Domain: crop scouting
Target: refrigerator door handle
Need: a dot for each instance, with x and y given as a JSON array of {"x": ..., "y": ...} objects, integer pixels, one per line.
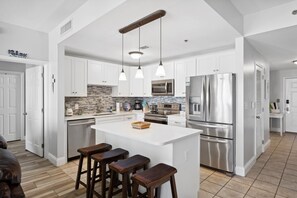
[{"x": 214, "y": 140}]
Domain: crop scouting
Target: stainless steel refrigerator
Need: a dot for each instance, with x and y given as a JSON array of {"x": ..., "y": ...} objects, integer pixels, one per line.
[{"x": 210, "y": 106}]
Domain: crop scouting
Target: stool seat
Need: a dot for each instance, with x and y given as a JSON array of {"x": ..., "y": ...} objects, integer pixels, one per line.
[
  {"x": 110, "y": 156},
  {"x": 129, "y": 164},
  {"x": 155, "y": 175},
  {"x": 98, "y": 148}
]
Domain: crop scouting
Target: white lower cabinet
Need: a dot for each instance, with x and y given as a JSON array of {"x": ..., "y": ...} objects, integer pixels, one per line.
[
  {"x": 117, "y": 118},
  {"x": 177, "y": 120}
]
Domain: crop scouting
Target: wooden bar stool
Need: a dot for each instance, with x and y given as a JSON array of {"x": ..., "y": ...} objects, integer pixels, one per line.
[
  {"x": 125, "y": 167},
  {"x": 87, "y": 152},
  {"x": 153, "y": 178},
  {"x": 103, "y": 159}
]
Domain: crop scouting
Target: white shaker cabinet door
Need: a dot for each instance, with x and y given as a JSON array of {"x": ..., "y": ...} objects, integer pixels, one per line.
[
  {"x": 147, "y": 81},
  {"x": 95, "y": 73},
  {"x": 68, "y": 89},
  {"x": 123, "y": 88},
  {"x": 207, "y": 65},
  {"x": 169, "y": 71},
  {"x": 136, "y": 84},
  {"x": 226, "y": 63},
  {"x": 80, "y": 77},
  {"x": 180, "y": 79},
  {"x": 111, "y": 74}
]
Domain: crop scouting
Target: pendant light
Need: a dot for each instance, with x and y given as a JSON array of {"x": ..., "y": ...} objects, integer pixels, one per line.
[
  {"x": 122, "y": 74},
  {"x": 160, "y": 70},
  {"x": 139, "y": 73}
]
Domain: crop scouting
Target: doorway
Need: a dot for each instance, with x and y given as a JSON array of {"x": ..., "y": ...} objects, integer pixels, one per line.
[
  {"x": 290, "y": 104},
  {"x": 11, "y": 105},
  {"x": 259, "y": 135}
]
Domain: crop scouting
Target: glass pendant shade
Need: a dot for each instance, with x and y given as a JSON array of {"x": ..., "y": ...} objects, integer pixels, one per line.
[
  {"x": 139, "y": 73},
  {"x": 160, "y": 71},
  {"x": 135, "y": 54},
  {"x": 122, "y": 76}
]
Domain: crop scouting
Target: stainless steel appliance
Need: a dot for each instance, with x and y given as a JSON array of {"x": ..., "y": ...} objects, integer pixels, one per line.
[
  {"x": 210, "y": 106},
  {"x": 138, "y": 105},
  {"x": 79, "y": 134},
  {"x": 160, "y": 114},
  {"x": 163, "y": 87}
]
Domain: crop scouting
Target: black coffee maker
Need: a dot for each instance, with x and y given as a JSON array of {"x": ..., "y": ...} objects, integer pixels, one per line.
[{"x": 138, "y": 105}]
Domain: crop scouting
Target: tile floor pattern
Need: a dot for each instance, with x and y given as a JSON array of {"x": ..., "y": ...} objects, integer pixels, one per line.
[{"x": 274, "y": 175}]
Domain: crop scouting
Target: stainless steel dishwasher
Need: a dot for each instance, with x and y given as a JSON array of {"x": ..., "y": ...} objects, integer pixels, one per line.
[{"x": 79, "y": 134}]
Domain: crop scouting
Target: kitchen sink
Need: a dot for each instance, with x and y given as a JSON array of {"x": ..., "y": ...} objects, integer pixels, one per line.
[{"x": 103, "y": 113}]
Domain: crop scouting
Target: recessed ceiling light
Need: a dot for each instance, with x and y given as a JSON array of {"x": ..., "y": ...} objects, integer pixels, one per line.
[
  {"x": 295, "y": 62},
  {"x": 294, "y": 12}
]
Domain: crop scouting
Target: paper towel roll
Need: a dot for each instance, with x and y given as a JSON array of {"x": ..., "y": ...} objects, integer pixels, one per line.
[{"x": 118, "y": 107}]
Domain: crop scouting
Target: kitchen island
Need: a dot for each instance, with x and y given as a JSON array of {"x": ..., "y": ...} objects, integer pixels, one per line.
[{"x": 175, "y": 146}]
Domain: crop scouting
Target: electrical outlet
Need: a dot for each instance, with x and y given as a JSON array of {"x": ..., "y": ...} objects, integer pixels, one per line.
[{"x": 76, "y": 106}]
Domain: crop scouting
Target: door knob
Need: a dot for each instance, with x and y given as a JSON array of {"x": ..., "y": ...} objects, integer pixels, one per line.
[{"x": 258, "y": 117}]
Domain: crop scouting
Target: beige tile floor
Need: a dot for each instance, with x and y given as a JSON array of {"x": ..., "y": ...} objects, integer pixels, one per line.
[{"x": 274, "y": 175}]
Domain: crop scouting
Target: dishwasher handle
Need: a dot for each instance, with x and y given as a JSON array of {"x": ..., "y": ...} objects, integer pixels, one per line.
[{"x": 76, "y": 123}]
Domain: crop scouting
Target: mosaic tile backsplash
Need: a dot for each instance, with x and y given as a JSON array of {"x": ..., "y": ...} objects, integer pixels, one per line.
[{"x": 100, "y": 99}]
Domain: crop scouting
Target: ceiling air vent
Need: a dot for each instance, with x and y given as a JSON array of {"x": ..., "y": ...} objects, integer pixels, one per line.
[{"x": 66, "y": 27}]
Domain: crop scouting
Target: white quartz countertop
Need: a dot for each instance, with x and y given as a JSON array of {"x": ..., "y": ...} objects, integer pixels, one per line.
[
  {"x": 87, "y": 116},
  {"x": 157, "y": 134}
]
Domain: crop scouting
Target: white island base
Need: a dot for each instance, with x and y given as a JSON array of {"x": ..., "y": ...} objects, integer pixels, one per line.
[{"x": 175, "y": 146}]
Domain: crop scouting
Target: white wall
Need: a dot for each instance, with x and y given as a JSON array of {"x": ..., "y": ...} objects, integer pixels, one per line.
[
  {"x": 251, "y": 58},
  {"x": 277, "y": 84},
  {"x": 15, "y": 67},
  {"x": 32, "y": 42}
]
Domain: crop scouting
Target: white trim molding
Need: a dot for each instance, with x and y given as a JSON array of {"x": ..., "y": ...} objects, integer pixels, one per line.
[
  {"x": 266, "y": 145},
  {"x": 56, "y": 161},
  {"x": 242, "y": 171}
]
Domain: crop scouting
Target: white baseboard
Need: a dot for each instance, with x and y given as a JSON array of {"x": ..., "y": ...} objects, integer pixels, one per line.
[
  {"x": 242, "y": 171},
  {"x": 266, "y": 145},
  {"x": 56, "y": 161}
]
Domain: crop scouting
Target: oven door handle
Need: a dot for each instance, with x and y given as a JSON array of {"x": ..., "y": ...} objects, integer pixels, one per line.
[
  {"x": 156, "y": 119},
  {"x": 214, "y": 140}
]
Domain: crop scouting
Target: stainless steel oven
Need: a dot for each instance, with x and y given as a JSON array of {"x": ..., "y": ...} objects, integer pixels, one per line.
[{"x": 163, "y": 87}]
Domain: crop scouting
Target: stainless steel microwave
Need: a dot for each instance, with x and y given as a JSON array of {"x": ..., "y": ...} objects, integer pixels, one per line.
[{"x": 163, "y": 87}]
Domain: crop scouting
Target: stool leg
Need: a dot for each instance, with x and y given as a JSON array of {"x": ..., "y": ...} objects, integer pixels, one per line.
[
  {"x": 88, "y": 175},
  {"x": 135, "y": 189},
  {"x": 91, "y": 189},
  {"x": 125, "y": 185},
  {"x": 173, "y": 187},
  {"x": 110, "y": 192},
  {"x": 150, "y": 193},
  {"x": 158, "y": 192},
  {"x": 81, "y": 159},
  {"x": 103, "y": 184},
  {"x": 129, "y": 186}
]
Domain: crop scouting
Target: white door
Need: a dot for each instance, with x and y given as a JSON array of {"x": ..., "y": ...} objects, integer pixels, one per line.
[
  {"x": 10, "y": 106},
  {"x": 259, "y": 109},
  {"x": 291, "y": 95},
  {"x": 34, "y": 110}
]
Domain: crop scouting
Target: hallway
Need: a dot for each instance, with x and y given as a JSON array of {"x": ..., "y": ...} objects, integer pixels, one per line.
[{"x": 274, "y": 174}]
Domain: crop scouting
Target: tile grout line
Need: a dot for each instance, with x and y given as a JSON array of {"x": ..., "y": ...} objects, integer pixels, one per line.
[{"x": 285, "y": 166}]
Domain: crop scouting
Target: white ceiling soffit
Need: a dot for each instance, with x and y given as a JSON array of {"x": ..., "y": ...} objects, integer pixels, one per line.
[
  {"x": 193, "y": 20},
  {"x": 40, "y": 15},
  {"x": 279, "y": 47},
  {"x": 246, "y": 7}
]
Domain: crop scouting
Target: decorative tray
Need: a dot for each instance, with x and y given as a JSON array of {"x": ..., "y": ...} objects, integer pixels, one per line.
[{"x": 141, "y": 125}]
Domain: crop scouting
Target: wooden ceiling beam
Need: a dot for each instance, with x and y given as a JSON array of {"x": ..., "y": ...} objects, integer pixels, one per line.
[{"x": 145, "y": 20}]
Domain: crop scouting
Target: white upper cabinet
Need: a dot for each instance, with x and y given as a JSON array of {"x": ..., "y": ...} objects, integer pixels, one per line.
[
  {"x": 123, "y": 88},
  {"x": 136, "y": 84},
  {"x": 183, "y": 69},
  {"x": 147, "y": 81},
  {"x": 75, "y": 72},
  {"x": 216, "y": 63},
  {"x": 100, "y": 73},
  {"x": 169, "y": 71}
]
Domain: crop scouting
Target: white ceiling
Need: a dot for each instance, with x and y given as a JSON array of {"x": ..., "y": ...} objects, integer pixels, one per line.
[
  {"x": 41, "y": 15},
  {"x": 251, "y": 6},
  {"x": 191, "y": 19},
  {"x": 279, "y": 47}
]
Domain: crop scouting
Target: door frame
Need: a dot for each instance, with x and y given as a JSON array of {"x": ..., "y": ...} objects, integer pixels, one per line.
[
  {"x": 22, "y": 107},
  {"x": 255, "y": 112},
  {"x": 284, "y": 99}
]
